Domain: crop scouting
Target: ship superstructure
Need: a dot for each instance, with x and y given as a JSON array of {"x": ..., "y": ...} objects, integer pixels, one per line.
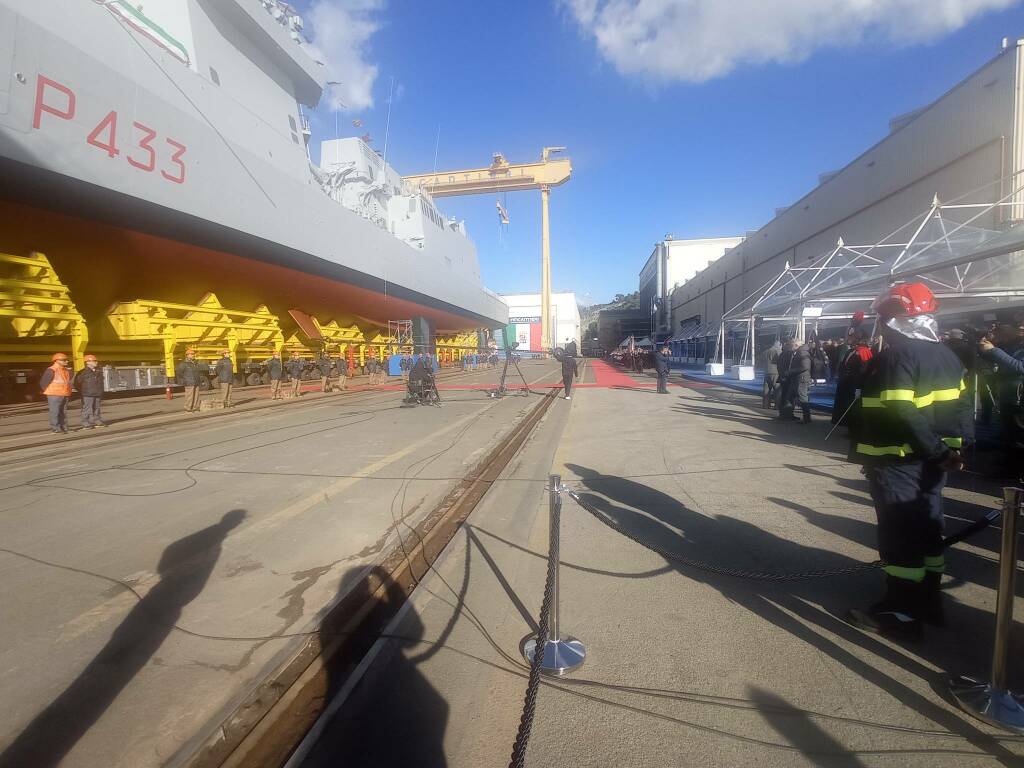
[{"x": 158, "y": 151}]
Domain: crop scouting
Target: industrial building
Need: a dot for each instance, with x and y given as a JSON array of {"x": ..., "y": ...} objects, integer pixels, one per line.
[
  {"x": 614, "y": 325},
  {"x": 672, "y": 263},
  {"x": 524, "y": 319},
  {"x": 961, "y": 145}
]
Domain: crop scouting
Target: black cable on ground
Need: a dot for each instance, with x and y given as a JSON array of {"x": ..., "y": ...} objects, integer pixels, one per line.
[{"x": 530, "y": 699}]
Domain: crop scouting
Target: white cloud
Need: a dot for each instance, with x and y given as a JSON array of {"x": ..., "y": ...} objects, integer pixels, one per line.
[
  {"x": 697, "y": 40},
  {"x": 340, "y": 32}
]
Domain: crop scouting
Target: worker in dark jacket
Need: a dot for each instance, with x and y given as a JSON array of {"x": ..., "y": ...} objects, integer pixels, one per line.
[
  {"x": 800, "y": 382},
  {"x": 325, "y": 364},
  {"x": 661, "y": 367},
  {"x": 770, "y": 390},
  {"x": 295, "y": 368},
  {"x": 188, "y": 375},
  {"x": 569, "y": 369},
  {"x": 225, "y": 371},
  {"x": 275, "y": 369},
  {"x": 850, "y": 375},
  {"x": 89, "y": 383},
  {"x": 912, "y": 425},
  {"x": 1007, "y": 355}
]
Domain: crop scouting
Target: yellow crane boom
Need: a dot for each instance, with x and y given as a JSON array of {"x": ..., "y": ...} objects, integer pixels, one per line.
[{"x": 503, "y": 176}]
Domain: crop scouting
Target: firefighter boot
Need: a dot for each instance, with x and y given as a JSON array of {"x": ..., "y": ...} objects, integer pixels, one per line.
[
  {"x": 895, "y": 615},
  {"x": 931, "y": 600}
]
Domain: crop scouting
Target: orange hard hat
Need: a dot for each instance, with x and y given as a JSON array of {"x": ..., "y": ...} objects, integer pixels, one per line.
[
  {"x": 190, "y": 350},
  {"x": 908, "y": 299},
  {"x": 59, "y": 356},
  {"x": 90, "y": 358}
]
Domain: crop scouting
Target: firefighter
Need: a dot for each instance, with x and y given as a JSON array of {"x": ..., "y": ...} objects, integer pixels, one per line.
[
  {"x": 910, "y": 428},
  {"x": 275, "y": 369},
  {"x": 295, "y": 367},
  {"x": 188, "y": 375},
  {"x": 325, "y": 364},
  {"x": 660, "y": 366},
  {"x": 55, "y": 383},
  {"x": 89, "y": 383},
  {"x": 225, "y": 371}
]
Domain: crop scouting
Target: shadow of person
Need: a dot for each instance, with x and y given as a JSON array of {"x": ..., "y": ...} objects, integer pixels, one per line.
[
  {"x": 806, "y": 609},
  {"x": 798, "y": 729},
  {"x": 184, "y": 568},
  {"x": 393, "y": 716}
]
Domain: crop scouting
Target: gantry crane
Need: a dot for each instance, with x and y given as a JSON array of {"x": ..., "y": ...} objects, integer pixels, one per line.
[{"x": 502, "y": 176}]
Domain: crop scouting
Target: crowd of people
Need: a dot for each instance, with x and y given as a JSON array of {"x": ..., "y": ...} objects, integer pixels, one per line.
[{"x": 59, "y": 382}]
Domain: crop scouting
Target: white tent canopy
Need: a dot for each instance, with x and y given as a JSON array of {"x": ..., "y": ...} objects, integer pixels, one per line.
[{"x": 967, "y": 266}]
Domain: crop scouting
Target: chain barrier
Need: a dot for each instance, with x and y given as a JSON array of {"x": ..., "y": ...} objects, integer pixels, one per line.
[
  {"x": 548, "y": 639},
  {"x": 824, "y": 573},
  {"x": 530, "y": 699}
]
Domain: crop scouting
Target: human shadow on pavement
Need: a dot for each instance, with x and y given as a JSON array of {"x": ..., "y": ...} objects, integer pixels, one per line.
[
  {"x": 800, "y": 730},
  {"x": 184, "y": 568},
  {"x": 963, "y": 564},
  {"x": 393, "y": 716},
  {"x": 793, "y": 606}
]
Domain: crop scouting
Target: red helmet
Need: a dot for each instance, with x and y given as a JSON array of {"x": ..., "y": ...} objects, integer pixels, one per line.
[
  {"x": 59, "y": 356},
  {"x": 909, "y": 299},
  {"x": 90, "y": 358}
]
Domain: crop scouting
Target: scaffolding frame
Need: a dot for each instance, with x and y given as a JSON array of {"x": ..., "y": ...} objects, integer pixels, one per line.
[{"x": 966, "y": 266}]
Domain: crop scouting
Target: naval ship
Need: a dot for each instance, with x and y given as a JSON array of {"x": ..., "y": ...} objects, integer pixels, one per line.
[{"x": 155, "y": 154}]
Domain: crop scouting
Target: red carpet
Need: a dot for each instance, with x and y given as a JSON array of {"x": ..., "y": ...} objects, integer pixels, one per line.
[{"x": 607, "y": 375}]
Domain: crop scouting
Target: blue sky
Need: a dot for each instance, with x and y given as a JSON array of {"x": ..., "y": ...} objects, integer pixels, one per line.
[{"x": 653, "y": 152}]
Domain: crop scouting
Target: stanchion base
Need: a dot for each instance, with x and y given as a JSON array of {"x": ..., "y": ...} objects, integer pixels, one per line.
[
  {"x": 996, "y": 707},
  {"x": 560, "y": 656}
]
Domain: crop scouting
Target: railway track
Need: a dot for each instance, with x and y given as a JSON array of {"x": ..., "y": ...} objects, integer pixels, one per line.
[{"x": 269, "y": 723}]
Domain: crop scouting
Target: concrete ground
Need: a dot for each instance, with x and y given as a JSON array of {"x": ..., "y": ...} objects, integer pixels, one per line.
[
  {"x": 683, "y": 667},
  {"x": 153, "y": 575}
]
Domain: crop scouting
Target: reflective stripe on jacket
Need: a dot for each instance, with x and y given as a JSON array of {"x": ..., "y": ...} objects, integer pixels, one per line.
[{"x": 911, "y": 406}]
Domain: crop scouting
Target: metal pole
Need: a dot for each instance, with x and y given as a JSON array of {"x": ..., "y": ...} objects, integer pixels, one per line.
[
  {"x": 992, "y": 702},
  {"x": 1007, "y": 586},
  {"x": 561, "y": 655},
  {"x": 545, "y": 271}
]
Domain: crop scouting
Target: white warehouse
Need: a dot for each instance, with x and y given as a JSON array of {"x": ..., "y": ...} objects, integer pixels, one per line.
[
  {"x": 524, "y": 319},
  {"x": 964, "y": 143}
]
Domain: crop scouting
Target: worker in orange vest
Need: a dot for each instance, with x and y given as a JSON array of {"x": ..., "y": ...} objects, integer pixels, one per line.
[{"x": 56, "y": 385}]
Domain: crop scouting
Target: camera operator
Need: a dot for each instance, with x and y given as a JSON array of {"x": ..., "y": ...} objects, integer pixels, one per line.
[{"x": 1007, "y": 355}]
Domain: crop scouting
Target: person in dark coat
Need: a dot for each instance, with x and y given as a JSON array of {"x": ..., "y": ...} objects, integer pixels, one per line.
[
  {"x": 770, "y": 390},
  {"x": 325, "y": 364},
  {"x": 785, "y": 393},
  {"x": 819, "y": 361},
  {"x": 275, "y": 369},
  {"x": 850, "y": 374},
  {"x": 89, "y": 383},
  {"x": 569, "y": 369},
  {"x": 661, "y": 367},
  {"x": 800, "y": 372},
  {"x": 225, "y": 371},
  {"x": 1007, "y": 356},
  {"x": 295, "y": 367},
  {"x": 189, "y": 376}
]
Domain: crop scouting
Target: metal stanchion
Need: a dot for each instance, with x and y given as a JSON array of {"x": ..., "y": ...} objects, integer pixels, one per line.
[
  {"x": 992, "y": 702},
  {"x": 561, "y": 654}
]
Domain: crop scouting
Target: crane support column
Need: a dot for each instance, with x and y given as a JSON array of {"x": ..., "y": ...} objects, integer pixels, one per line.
[{"x": 545, "y": 271}]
